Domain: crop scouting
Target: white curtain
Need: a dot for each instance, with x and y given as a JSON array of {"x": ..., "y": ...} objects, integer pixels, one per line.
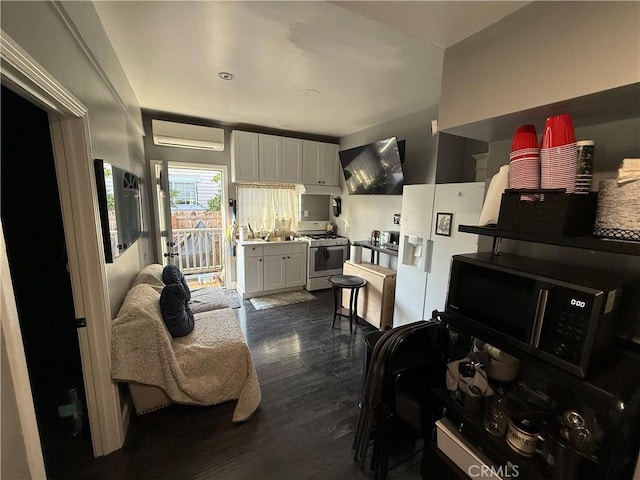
[{"x": 268, "y": 208}]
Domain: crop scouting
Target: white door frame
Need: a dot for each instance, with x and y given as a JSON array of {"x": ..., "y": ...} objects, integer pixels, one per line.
[
  {"x": 226, "y": 212},
  {"x": 161, "y": 209},
  {"x": 68, "y": 122}
]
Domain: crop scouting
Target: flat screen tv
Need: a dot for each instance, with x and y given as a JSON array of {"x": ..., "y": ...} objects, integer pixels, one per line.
[
  {"x": 120, "y": 208},
  {"x": 373, "y": 169}
]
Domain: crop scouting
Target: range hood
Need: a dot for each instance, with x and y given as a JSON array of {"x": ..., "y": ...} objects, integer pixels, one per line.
[
  {"x": 183, "y": 135},
  {"x": 318, "y": 190}
]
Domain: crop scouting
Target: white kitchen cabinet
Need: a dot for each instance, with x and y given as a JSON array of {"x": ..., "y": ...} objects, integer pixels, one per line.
[
  {"x": 265, "y": 268},
  {"x": 284, "y": 270},
  {"x": 291, "y": 160},
  {"x": 320, "y": 163},
  {"x": 257, "y": 157},
  {"x": 250, "y": 269},
  {"x": 274, "y": 272},
  {"x": 296, "y": 269},
  {"x": 253, "y": 274},
  {"x": 244, "y": 157},
  {"x": 270, "y": 158}
]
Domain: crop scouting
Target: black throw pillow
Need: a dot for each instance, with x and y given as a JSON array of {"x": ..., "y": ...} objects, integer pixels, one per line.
[
  {"x": 176, "y": 314},
  {"x": 172, "y": 274}
]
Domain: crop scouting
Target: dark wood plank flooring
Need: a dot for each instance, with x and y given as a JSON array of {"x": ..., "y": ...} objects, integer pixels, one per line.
[{"x": 310, "y": 375}]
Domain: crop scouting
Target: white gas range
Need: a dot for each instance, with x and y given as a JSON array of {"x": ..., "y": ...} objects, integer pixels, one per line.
[{"x": 327, "y": 253}]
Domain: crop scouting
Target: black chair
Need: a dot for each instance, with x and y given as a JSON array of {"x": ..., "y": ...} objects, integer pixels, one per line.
[{"x": 406, "y": 364}]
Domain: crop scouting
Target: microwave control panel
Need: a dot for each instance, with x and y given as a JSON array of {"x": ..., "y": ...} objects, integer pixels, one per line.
[{"x": 567, "y": 331}]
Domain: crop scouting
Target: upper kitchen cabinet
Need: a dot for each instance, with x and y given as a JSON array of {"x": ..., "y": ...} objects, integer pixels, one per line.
[
  {"x": 244, "y": 157},
  {"x": 258, "y": 157},
  {"x": 320, "y": 163},
  {"x": 269, "y": 158},
  {"x": 291, "y": 160},
  {"x": 582, "y": 58}
]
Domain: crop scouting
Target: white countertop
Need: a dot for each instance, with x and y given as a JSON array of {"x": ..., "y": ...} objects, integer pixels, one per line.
[{"x": 259, "y": 241}]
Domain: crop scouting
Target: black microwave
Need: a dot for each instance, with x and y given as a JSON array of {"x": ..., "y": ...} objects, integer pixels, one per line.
[{"x": 560, "y": 314}]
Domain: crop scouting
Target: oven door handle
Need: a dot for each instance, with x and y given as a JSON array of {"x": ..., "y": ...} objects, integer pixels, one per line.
[{"x": 541, "y": 307}]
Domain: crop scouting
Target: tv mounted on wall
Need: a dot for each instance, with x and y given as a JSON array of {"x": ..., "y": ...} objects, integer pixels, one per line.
[
  {"x": 120, "y": 208},
  {"x": 373, "y": 169}
]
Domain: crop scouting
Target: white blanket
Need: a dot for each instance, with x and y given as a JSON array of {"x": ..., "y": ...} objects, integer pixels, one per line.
[{"x": 211, "y": 365}]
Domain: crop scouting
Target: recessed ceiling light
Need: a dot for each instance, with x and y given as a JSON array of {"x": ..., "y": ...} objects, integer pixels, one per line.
[
  {"x": 226, "y": 76},
  {"x": 310, "y": 92}
]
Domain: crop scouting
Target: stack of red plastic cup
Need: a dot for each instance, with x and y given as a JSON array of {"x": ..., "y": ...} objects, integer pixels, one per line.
[
  {"x": 558, "y": 154},
  {"x": 524, "y": 160}
]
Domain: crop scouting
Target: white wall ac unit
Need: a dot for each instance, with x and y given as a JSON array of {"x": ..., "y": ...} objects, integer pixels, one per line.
[{"x": 182, "y": 135}]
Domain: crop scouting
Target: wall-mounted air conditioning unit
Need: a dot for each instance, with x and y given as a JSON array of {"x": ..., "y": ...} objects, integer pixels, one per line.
[{"x": 183, "y": 135}]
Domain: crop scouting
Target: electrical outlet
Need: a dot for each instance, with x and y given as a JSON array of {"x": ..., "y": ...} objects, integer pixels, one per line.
[{"x": 305, "y": 213}]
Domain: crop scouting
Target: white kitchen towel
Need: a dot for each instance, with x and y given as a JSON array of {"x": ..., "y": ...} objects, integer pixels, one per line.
[
  {"x": 629, "y": 170},
  {"x": 491, "y": 208}
]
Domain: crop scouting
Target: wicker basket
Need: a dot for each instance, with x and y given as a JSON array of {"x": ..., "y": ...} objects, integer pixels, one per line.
[{"x": 618, "y": 212}]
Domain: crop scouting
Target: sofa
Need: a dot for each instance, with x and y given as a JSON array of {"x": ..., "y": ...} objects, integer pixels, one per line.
[{"x": 210, "y": 365}]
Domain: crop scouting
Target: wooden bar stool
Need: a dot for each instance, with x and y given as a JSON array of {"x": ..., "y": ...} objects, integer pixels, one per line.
[{"x": 354, "y": 284}]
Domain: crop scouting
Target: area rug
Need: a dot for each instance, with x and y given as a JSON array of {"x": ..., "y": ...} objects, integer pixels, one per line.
[
  {"x": 281, "y": 299},
  {"x": 234, "y": 298}
]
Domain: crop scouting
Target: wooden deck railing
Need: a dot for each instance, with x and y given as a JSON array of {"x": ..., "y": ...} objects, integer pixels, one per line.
[{"x": 199, "y": 249}]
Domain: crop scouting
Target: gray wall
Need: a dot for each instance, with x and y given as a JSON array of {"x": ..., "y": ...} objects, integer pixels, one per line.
[
  {"x": 455, "y": 162},
  {"x": 542, "y": 54},
  {"x": 68, "y": 41},
  {"x": 114, "y": 122},
  {"x": 363, "y": 213}
]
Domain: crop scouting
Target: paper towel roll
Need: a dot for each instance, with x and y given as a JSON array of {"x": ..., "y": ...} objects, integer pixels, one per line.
[
  {"x": 356, "y": 254},
  {"x": 491, "y": 208}
]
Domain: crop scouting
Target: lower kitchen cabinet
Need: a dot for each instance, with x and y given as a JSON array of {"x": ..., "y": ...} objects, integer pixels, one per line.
[
  {"x": 250, "y": 269},
  {"x": 286, "y": 270},
  {"x": 265, "y": 268}
]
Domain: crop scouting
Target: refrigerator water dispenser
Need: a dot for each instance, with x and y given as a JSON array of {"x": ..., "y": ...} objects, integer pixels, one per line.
[{"x": 412, "y": 251}]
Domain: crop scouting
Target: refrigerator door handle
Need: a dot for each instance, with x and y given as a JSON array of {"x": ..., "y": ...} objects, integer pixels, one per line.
[{"x": 428, "y": 255}]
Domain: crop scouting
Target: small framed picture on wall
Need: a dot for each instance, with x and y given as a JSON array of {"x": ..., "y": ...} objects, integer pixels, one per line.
[{"x": 443, "y": 223}]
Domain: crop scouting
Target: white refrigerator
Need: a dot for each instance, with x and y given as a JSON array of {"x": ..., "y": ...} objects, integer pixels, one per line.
[{"x": 429, "y": 237}]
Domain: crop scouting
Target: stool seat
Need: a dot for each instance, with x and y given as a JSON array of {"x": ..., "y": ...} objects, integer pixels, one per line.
[{"x": 354, "y": 284}]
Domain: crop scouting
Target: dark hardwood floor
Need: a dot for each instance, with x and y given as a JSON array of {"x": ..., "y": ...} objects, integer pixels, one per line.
[{"x": 310, "y": 375}]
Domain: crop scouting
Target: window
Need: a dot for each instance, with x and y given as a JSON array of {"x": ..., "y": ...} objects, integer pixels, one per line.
[
  {"x": 183, "y": 192},
  {"x": 268, "y": 208}
]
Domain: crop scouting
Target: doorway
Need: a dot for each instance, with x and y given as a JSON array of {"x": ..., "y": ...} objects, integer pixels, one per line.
[
  {"x": 191, "y": 220},
  {"x": 36, "y": 250}
]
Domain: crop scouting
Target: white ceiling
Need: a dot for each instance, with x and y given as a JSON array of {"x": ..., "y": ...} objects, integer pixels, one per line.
[{"x": 370, "y": 61}]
